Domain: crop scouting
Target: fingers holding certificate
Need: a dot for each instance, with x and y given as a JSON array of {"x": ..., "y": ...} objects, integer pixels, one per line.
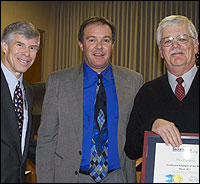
[
  {"x": 167, "y": 164},
  {"x": 168, "y": 131}
]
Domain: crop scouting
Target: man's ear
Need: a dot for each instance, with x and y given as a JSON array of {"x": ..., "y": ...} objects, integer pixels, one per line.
[
  {"x": 196, "y": 46},
  {"x": 161, "y": 52},
  {"x": 113, "y": 45},
  {"x": 80, "y": 45},
  {"x": 4, "y": 47}
]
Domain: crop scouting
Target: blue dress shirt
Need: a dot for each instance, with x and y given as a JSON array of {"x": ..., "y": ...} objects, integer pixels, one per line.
[{"x": 90, "y": 81}]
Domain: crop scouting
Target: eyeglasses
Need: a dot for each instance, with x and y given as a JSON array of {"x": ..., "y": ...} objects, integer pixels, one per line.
[{"x": 181, "y": 39}]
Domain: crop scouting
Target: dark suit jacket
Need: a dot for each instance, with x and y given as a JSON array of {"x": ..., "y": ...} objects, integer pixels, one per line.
[{"x": 13, "y": 164}]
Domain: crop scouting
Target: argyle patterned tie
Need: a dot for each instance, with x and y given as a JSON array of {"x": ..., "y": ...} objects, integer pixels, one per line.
[
  {"x": 18, "y": 106},
  {"x": 99, "y": 151},
  {"x": 179, "y": 91}
]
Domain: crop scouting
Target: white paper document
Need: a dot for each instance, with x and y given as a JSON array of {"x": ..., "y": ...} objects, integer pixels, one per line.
[{"x": 176, "y": 165}]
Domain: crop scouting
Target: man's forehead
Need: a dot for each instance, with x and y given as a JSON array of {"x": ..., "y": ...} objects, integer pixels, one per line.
[
  {"x": 23, "y": 39},
  {"x": 95, "y": 29}
]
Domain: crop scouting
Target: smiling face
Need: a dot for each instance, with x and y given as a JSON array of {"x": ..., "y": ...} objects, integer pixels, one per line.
[
  {"x": 179, "y": 58},
  {"x": 97, "y": 46},
  {"x": 19, "y": 54}
]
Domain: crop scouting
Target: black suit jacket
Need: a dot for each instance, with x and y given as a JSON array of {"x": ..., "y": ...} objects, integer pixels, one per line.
[{"x": 13, "y": 163}]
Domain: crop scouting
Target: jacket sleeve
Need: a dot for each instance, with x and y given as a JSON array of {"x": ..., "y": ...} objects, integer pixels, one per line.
[{"x": 47, "y": 135}]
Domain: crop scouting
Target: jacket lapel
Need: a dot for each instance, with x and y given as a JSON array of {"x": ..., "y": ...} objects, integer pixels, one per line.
[
  {"x": 121, "y": 89},
  {"x": 75, "y": 98},
  {"x": 6, "y": 102},
  {"x": 28, "y": 99}
]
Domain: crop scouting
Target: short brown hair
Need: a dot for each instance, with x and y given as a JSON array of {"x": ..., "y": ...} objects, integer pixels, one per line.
[{"x": 92, "y": 20}]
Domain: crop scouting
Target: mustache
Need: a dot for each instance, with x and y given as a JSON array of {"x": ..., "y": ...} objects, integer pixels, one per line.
[{"x": 176, "y": 51}]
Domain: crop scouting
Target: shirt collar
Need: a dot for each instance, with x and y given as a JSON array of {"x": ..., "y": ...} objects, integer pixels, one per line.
[
  {"x": 90, "y": 76},
  {"x": 10, "y": 77},
  {"x": 187, "y": 77}
]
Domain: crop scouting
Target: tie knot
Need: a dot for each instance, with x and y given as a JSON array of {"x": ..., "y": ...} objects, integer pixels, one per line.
[
  {"x": 179, "y": 80},
  {"x": 18, "y": 84},
  {"x": 99, "y": 76}
]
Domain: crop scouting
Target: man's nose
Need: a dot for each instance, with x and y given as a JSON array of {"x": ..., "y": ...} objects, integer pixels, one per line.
[
  {"x": 175, "y": 43},
  {"x": 26, "y": 51},
  {"x": 99, "y": 45}
]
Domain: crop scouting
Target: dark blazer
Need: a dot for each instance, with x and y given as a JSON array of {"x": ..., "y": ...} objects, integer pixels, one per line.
[{"x": 13, "y": 164}]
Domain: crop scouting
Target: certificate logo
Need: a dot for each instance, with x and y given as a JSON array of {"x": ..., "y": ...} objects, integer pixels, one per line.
[
  {"x": 176, "y": 178},
  {"x": 175, "y": 149}
]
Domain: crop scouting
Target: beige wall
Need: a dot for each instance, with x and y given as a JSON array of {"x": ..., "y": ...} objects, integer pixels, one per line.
[
  {"x": 37, "y": 12},
  {"x": 61, "y": 19}
]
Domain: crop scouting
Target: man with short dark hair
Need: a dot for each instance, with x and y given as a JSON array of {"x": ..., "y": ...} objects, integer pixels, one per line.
[{"x": 85, "y": 113}]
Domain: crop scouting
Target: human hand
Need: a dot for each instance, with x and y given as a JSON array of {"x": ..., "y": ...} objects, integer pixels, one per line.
[{"x": 168, "y": 131}]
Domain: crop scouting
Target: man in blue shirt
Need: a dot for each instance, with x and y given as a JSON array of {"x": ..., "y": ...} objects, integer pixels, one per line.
[{"x": 65, "y": 135}]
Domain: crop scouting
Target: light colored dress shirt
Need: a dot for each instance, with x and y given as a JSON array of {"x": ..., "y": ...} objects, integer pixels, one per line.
[
  {"x": 12, "y": 82},
  {"x": 187, "y": 77}
]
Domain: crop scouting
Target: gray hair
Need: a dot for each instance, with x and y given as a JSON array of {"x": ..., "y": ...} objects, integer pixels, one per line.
[
  {"x": 175, "y": 20},
  {"x": 28, "y": 30}
]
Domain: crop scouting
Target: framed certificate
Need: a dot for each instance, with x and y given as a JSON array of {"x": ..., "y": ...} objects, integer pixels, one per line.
[{"x": 165, "y": 164}]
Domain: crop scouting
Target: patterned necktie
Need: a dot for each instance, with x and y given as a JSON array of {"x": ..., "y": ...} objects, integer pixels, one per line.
[
  {"x": 179, "y": 91},
  {"x": 99, "y": 151},
  {"x": 18, "y": 106}
]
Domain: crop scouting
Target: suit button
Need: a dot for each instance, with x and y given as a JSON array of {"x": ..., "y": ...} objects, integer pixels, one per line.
[
  {"x": 80, "y": 152},
  {"x": 76, "y": 172}
]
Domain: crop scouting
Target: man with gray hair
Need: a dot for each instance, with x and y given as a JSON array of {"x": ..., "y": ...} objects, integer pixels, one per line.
[
  {"x": 19, "y": 44},
  {"x": 169, "y": 104}
]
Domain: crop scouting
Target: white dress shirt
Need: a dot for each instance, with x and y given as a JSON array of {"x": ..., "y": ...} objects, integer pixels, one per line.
[{"x": 187, "y": 77}]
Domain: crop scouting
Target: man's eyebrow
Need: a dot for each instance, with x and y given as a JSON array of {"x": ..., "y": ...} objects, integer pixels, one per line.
[
  {"x": 90, "y": 37},
  {"x": 25, "y": 44},
  {"x": 108, "y": 37},
  {"x": 19, "y": 42},
  {"x": 95, "y": 37}
]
